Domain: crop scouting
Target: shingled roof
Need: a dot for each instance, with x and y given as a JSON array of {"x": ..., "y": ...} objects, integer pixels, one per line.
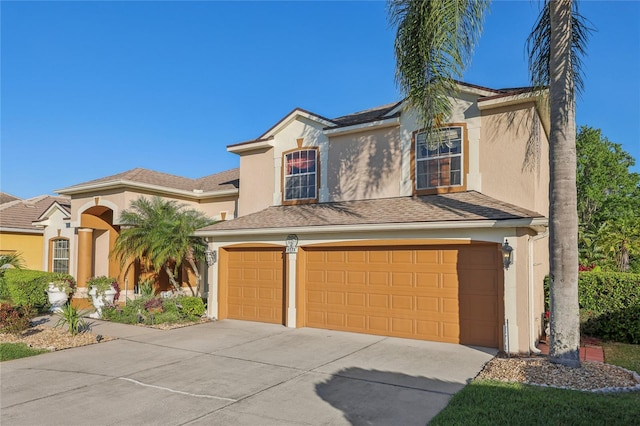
[
  {"x": 367, "y": 116},
  {"x": 19, "y": 214},
  {"x": 461, "y": 206},
  {"x": 216, "y": 182}
]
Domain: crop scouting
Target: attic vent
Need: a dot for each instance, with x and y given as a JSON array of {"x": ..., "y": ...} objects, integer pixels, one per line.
[{"x": 198, "y": 191}]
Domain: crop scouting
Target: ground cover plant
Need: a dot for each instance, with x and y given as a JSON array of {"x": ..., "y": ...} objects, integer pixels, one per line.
[
  {"x": 153, "y": 310},
  {"x": 9, "y": 351}
]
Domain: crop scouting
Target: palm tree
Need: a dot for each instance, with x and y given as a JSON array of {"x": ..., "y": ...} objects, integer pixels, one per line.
[
  {"x": 12, "y": 260},
  {"x": 160, "y": 233},
  {"x": 434, "y": 42}
]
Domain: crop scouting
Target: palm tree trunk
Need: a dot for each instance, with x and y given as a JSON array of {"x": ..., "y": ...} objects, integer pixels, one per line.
[
  {"x": 172, "y": 279},
  {"x": 195, "y": 271},
  {"x": 563, "y": 215}
]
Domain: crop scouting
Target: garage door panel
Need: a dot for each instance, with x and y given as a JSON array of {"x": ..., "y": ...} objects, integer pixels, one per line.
[
  {"x": 423, "y": 293},
  {"x": 427, "y": 280},
  {"x": 401, "y": 279},
  {"x": 255, "y": 285}
]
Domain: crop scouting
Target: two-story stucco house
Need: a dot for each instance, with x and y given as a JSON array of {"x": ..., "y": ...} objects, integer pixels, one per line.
[{"x": 364, "y": 223}]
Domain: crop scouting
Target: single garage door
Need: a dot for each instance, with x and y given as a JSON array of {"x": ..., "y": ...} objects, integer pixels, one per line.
[
  {"x": 442, "y": 293},
  {"x": 255, "y": 285}
]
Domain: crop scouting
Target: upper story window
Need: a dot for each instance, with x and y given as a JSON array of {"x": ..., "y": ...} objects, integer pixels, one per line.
[
  {"x": 60, "y": 256},
  {"x": 439, "y": 160},
  {"x": 301, "y": 175}
]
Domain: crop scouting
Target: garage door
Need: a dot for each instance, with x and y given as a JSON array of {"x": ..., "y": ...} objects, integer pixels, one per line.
[
  {"x": 255, "y": 285},
  {"x": 441, "y": 293}
]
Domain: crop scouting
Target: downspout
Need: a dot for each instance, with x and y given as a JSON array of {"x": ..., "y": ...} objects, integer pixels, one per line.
[{"x": 532, "y": 319}]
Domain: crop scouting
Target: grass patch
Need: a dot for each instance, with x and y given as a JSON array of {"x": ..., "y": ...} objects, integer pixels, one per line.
[
  {"x": 623, "y": 355},
  {"x": 497, "y": 403},
  {"x": 9, "y": 351}
]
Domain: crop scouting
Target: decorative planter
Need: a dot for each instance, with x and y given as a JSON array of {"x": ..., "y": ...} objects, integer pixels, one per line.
[
  {"x": 100, "y": 300},
  {"x": 57, "y": 297}
]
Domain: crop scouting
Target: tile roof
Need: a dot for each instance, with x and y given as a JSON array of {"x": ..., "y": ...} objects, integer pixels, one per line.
[
  {"x": 461, "y": 206},
  {"x": 228, "y": 179},
  {"x": 20, "y": 213},
  {"x": 5, "y": 198}
]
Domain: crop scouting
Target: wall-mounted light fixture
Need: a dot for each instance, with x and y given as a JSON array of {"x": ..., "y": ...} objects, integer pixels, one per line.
[
  {"x": 211, "y": 256},
  {"x": 507, "y": 254},
  {"x": 292, "y": 243}
]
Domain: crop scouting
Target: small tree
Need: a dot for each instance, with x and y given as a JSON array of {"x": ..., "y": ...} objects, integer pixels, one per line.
[{"x": 159, "y": 232}]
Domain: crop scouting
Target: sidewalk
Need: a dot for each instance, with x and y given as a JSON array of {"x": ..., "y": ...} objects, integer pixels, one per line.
[{"x": 589, "y": 351}]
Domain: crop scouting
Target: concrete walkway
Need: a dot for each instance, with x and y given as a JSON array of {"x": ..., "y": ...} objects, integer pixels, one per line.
[{"x": 237, "y": 373}]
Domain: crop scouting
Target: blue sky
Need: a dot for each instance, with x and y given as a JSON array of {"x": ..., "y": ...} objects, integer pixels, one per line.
[{"x": 91, "y": 89}]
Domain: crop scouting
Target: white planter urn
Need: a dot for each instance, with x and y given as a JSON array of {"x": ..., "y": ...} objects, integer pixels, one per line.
[
  {"x": 57, "y": 298},
  {"x": 105, "y": 298}
]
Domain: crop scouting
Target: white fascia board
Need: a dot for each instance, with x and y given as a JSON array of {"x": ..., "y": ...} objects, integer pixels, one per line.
[
  {"x": 501, "y": 101},
  {"x": 22, "y": 230},
  {"x": 532, "y": 223},
  {"x": 379, "y": 124},
  {"x": 137, "y": 185},
  {"x": 292, "y": 117},
  {"x": 250, "y": 146}
]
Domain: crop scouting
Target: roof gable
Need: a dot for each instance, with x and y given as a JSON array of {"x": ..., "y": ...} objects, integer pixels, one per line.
[
  {"x": 164, "y": 182},
  {"x": 19, "y": 215}
]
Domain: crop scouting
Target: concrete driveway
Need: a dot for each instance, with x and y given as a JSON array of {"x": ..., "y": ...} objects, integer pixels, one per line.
[{"x": 237, "y": 373}]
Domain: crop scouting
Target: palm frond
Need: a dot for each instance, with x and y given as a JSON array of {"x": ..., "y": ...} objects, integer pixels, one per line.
[
  {"x": 539, "y": 42},
  {"x": 434, "y": 44}
]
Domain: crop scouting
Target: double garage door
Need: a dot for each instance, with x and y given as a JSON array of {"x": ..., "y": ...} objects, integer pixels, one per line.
[{"x": 443, "y": 293}]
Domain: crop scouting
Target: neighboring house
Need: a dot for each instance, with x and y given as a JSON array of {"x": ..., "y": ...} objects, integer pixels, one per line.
[
  {"x": 364, "y": 223},
  {"x": 95, "y": 210},
  {"x": 22, "y": 230}
]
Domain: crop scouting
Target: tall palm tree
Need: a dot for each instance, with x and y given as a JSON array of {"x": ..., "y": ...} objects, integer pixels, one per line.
[
  {"x": 160, "y": 233},
  {"x": 434, "y": 43}
]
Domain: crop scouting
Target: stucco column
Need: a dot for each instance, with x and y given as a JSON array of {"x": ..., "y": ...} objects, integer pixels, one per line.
[
  {"x": 85, "y": 255},
  {"x": 291, "y": 289},
  {"x": 212, "y": 279},
  {"x": 511, "y": 343}
]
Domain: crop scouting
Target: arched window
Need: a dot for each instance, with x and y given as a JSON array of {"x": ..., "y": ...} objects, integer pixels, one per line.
[
  {"x": 59, "y": 255},
  {"x": 300, "y": 180}
]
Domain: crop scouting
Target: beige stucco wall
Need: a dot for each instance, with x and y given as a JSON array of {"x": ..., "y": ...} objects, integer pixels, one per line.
[
  {"x": 57, "y": 228},
  {"x": 514, "y": 157},
  {"x": 464, "y": 110},
  {"x": 256, "y": 181},
  {"x": 364, "y": 165}
]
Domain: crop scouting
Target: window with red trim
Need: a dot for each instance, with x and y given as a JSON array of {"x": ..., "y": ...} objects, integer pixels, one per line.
[
  {"x": 439, "y": 161},
  {"x": 300, "y": 175}
]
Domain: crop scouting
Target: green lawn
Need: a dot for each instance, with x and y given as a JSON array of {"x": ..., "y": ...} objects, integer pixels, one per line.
[
  {"x": 9, "y": 351},
  {"x": 623, "y": 355},
  {"x": 496, "y": 403}
]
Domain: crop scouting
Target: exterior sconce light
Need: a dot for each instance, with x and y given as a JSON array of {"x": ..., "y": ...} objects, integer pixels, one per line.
[
  {"x": 211, "y": 256},
  {"x": 292, "y": 243},
  {"x": 507, "y": 254}
]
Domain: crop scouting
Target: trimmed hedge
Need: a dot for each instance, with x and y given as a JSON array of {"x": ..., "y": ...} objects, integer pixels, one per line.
[
  {"x": 26, "y": 287},
  {"x": 609, "y": 305}
]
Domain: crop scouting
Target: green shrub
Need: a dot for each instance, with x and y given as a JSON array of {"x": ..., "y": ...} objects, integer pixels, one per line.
[
  {"x": 27, "y": 287},
  {"x": 609, "y": 305},
  {"x": 602, "y": 292},
  {"x": 15, "y": 319},
  {"x": 622, "y": 325},
  {"x": 192, "y": 307}
]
